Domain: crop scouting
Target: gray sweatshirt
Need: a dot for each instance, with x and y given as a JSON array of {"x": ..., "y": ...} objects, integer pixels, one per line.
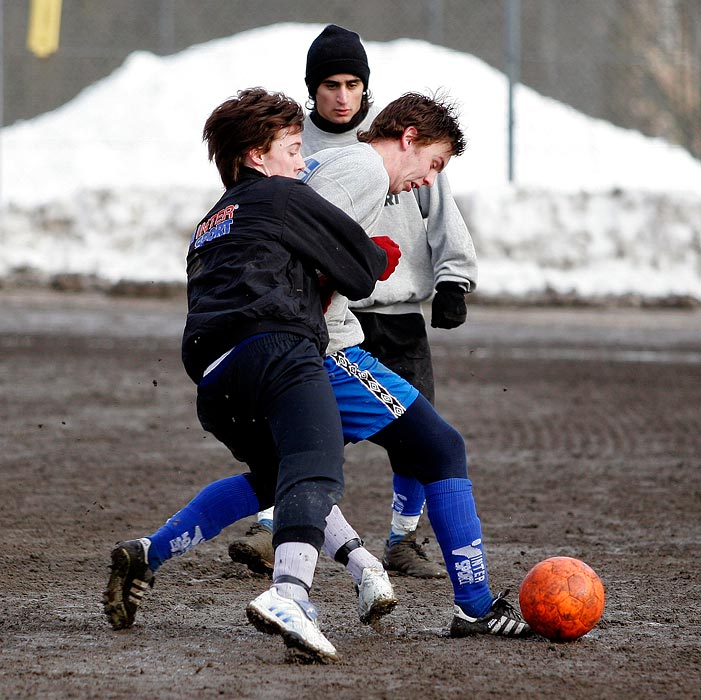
[
  {"x": 431, "y": 233},
  {"x": 355, "y": 180}
]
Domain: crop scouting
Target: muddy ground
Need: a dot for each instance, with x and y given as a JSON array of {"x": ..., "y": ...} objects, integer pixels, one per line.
[{"x": 584, "y": 433}]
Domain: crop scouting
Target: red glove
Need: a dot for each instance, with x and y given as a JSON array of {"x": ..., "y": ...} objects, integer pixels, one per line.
[
  {"x": 326, "y": 291},
  {"x": 393, "y": 255}
]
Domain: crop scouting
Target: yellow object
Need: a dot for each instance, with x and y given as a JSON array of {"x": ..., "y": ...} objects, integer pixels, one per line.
[{"x": 44, "y": 27}]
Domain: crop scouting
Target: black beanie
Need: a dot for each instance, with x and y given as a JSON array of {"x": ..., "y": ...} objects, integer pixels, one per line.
[{"x": 335, "y": 50}]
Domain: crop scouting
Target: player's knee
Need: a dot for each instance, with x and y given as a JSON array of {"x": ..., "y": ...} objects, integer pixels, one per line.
[
  {"x": 450, "y": 457},
  {"x": 454, "y": 443}
]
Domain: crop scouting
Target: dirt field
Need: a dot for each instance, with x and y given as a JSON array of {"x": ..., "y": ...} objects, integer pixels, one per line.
[{"x": 584, "y": 434}]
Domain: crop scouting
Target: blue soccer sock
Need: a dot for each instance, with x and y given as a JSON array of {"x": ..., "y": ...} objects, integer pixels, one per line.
[
  {"x": 407, "y": 506},
  {"x": 452, "y": 512},
  {"x": 217, "y": 506}
]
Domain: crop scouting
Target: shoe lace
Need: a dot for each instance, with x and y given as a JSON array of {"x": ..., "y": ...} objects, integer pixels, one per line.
[
  {"x": 503, "y": 607},
  {"x": 410, "y": 543}
]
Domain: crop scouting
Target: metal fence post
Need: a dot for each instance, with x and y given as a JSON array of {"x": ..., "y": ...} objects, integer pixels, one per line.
[
  {"x": 513, "y": 71},
  {"x": 166, "y": 27},
  {"x": 436, "y": 12}
]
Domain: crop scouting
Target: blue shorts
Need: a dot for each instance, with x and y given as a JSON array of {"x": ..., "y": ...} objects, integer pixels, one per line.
[{"x": 369, "y": 396}]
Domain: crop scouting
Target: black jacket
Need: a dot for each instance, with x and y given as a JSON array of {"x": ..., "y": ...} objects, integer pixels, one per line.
[{"x": 253, "y": 261}]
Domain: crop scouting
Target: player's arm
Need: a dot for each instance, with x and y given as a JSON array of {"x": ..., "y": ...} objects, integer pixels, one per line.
[
  {"x": 452, "y": 254},
  {"x": 329, "y": 240},
  {"x": 452, "y": 250}
]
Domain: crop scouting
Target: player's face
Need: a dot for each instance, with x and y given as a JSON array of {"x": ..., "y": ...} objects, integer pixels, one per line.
[
  {"x": 419, "y": 166},
  {"x": 284, "y": 156},
  {"x": 338, "y": 98}
]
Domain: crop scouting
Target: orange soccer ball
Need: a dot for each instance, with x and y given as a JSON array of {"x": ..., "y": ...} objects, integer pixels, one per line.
[{"x": 562, "y": 598}]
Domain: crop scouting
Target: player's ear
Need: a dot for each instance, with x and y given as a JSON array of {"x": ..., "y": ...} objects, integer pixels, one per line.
[
  {"x": 255, "y": 156},
  {"x": 409, "y": 135}
]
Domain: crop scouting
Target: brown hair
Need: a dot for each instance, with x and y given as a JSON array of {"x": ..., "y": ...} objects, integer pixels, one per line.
[
  {"x": 252, "y": 119},
  {"x": 435, "y": 119}
]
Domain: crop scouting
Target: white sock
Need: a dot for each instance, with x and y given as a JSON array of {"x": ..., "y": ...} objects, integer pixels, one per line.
[
  {"x": 298, "y": 560},
  {"x": 338, "y": 531},
  {"x": 404, "y": 524},
  {"x": 360, "y": 559},
  {"x": 265, "y": 517}
]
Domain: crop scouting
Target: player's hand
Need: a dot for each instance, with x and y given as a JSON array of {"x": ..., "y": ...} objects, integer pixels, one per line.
[
  {"x": 449, "y": 308},
  {"x": 393, "y": 255}
]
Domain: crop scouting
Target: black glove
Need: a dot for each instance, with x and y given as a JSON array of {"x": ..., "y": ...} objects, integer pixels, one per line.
[{"x": 449, "y": 309}]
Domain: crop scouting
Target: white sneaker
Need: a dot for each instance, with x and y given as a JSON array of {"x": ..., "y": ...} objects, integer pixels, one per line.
[
  {"x": 295, "y": 620},
  {"x": 375, "y": 595}
]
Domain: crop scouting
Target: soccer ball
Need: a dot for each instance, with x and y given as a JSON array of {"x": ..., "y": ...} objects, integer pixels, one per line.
[{"x": 561, "y": 598}]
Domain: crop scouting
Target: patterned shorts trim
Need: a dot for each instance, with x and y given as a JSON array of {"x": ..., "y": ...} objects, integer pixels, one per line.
[{"x": 368, "y": 394}]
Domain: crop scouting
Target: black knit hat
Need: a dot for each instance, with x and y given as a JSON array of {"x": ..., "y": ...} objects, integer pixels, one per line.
[{"x": 335, "y": 50}]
